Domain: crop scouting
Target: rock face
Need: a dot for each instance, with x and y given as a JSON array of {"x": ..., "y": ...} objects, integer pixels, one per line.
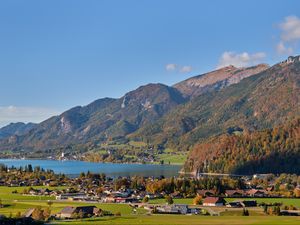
[{"x": 217, "y": 79}]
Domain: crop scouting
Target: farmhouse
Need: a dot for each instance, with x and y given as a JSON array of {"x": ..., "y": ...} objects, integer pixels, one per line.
[
  {"x": 214, "y": 201},
  {"x": 257, "y": 193},
  {"x": 206, "y": 192},
  {"x": 176, "y": 209},
  {"x": 69, "y": 211},
  {"x": 234, "y": 193},
  {"x": 72, "y": 196},
  {"x": 29, "y": 212}
]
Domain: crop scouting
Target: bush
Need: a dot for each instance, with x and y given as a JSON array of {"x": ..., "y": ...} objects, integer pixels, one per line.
[{"x": 169, "y": 200}]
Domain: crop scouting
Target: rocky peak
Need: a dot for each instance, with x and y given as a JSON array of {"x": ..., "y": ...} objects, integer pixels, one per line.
[
  {"x": 291, "y": 59},
  {"x": 217, "y": 79}
]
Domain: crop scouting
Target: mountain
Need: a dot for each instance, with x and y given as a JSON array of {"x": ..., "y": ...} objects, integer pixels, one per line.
[
  {"x": 15, "y": 129},
  {"x": 216, "y": 80},
  {"x": 275, "y": 150},
  {"x": 261, "y": 101},
  {"x": 226, "y": 100},
  {"x": 99, "y": 120}
]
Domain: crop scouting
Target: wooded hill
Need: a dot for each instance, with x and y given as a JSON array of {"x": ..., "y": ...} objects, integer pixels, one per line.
[{"x": 275, "y": 150}]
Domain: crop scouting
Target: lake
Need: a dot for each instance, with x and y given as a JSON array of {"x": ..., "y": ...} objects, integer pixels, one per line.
[{"x": 74, "y": 168}]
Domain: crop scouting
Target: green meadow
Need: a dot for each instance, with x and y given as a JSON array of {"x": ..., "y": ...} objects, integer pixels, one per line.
[{"x": 190, "y": 220}]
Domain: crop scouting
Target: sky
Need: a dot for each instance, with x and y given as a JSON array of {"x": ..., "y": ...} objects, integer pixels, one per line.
[{"x": 58, "y": 54}]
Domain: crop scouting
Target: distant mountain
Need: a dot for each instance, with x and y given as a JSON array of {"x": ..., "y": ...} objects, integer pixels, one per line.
[
  {"x": 15, "y": 129},
  {"x": 100, "y": 120},
  {"x": 216, "y": 80},
  {"x": 261, "y": 101}
]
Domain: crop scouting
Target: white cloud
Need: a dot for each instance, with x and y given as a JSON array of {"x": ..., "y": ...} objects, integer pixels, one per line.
[
  {"x": 240, "y": 59},
  {"x": 290, "y": 29},
  {"x": 186, "y": 69},
  {"x": 175, "y": 67},
  {"x": 9, "y": 114},
  {"x": 171, "y": 67},
  {"x": 283, "y": 50},
  {"x": 289, "y": 35}
]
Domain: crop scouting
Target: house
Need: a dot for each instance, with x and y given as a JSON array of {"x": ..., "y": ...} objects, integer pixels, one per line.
[
  {"x": 234, "y": 193},
  {"x": 176, "y": 209},
  {"x": 28, "y": 213},
  {"x": 257, "y": 193},
  {"x": 69, "y": 211},
  {"x": 235, "y": 204},
  {"x": 242, "y": 203},
  {"x": 72, "y": 196},
  {"x": 214, "y": 201},
  {"x": 206, "y": 193},
  {"x": 97, "y": 211},
  {"x": 249, "y": 203},
  {"x": 125, "y": 200}
]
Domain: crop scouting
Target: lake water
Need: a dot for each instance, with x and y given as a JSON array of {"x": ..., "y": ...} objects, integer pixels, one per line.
[{"x": 74, "y": 168}]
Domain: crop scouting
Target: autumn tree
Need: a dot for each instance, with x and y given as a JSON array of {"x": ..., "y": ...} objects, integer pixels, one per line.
[{"x": 197, "y": 200}]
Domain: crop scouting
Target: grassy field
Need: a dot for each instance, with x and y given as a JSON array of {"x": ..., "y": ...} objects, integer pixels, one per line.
[
  {"x": 191, "y": 220},
  {"x": 174, "y": 159},
  {"x": 6, "y": 194}
]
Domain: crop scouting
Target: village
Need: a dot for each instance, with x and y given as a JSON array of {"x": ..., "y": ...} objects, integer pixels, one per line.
[{"x": 155, "y": 195}]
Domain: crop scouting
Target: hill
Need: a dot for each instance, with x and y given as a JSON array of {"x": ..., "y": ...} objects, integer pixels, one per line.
[
  {"x": 15, "y": 129},
  {"x": 275, "y": 150}
]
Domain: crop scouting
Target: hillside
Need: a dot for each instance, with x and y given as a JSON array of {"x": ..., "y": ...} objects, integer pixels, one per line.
[
  {"x": 261, "y": 101},
  {"x": 99, "y": 120},
  {"x": 15, "y": 129},
  {"x": 274, "y": 150}
]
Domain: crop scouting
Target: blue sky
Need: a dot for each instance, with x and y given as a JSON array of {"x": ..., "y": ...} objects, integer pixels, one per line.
[{"x": 61, "y": 53}]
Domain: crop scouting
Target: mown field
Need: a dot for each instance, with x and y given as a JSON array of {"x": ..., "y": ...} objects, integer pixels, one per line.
[{"x": 190, "y": 220}]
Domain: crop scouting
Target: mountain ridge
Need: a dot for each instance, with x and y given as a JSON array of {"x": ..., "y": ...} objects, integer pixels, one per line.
[
  {"x": 176, "y": 117},
  {"x": 18, "y": 128}
]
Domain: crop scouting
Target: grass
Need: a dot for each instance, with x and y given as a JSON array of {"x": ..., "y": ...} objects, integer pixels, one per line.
[
  {"x": 178, "y": 159},
  {"x": 12, "y": 207},
  {"x": 191, "y": 220},
  {"x": 137, "y": 143},
  {"x": 188, "y": 201},
  {"x": 6, "y": 194}
]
